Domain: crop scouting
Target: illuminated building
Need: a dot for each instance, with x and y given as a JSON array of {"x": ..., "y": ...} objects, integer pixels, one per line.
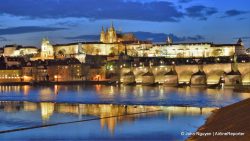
[
  {"x": 194, "y": 50},
  {"x": 10, "y": 75},
  {"x": 47, "y": 50},
  {"x": 111, "y": 43},
  {"x": 69, "y": 69},
  {"x": 18, "y": 50},
  {"x": 97, "y": 73},
  {"x": 111, "y": 36},
  {"x": 35, "y": 71},
  {"x": 28, "y": 73},
  {"x": 13, "y": 61}
]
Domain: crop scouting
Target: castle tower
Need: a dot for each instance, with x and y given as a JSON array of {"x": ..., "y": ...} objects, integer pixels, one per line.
[{"x": 102, "y": 36}]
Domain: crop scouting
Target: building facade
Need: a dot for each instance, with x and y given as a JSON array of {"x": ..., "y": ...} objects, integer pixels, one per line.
[
  {"x": 18, "y": 50},
  {"x": 67, "y": 70},
  {"x": 191, "y": 50},
  {"x": 10, "y": 75}
]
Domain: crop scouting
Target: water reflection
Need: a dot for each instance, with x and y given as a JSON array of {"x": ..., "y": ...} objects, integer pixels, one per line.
[
  {"x": 47, "y": 110},
  {"x": 146, "y": 95}
]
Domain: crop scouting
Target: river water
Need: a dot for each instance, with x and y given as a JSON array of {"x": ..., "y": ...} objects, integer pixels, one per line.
[{"x": 107, "y": 112}]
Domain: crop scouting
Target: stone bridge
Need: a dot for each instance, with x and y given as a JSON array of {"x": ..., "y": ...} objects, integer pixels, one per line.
[{"x": 213, "y": 72}]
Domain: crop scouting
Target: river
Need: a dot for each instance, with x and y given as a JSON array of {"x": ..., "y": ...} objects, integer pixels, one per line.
[{"x": 99, "y": 112}]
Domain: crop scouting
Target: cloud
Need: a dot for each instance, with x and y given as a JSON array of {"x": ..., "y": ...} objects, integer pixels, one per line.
[
  {"x": 185, "y": 1},
  {"x": 233, "y": 13},
  {"x": 26, "y": 29},
  {"x": 93, "y": 9},
  {"x": 161, "y": 37},
  {"x": 68, "y": 23},
  {"x": 155, "y": 37},
  {"x": 84, "y": 38},
  {"x": 200, "y": 12}
]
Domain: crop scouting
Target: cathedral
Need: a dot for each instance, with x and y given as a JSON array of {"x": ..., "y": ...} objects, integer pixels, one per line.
[{"x": 111, "y": 36}]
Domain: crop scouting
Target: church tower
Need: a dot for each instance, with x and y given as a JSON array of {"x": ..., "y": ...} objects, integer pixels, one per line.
[
  {"x": 47, "y": 51},
  {"x": 109, "y": 36},
  {"x": 112, "y": 37},
  {"x": 102, "y": 36},
  {"x": 240, "y": 42},
  {"x": 169, "y": 41}
]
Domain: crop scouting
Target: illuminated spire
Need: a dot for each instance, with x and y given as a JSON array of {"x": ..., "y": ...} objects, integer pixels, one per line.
[
  {"x": 112, "y": 28},
  {"x": 112, "y": 24},
  {"x": 169, "y": 40},
  {"x": 102, "y": 29},
  {"x": 102, "y": 36}
]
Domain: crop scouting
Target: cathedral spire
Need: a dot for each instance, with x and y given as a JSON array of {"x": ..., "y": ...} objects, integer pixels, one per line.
[
  {"x": 102, "y": 29},
  {"x": 102, "y": 35},
  {"x": 112, "y": 28},
  {"x": 169, "y": 40},
  {"x": 112, "y": 24}
]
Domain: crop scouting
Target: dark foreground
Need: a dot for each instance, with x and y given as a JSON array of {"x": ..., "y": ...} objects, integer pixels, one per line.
[{"x": 232, "y": 119}]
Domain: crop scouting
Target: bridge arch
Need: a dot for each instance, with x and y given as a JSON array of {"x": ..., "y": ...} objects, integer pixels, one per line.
[
  {"x": 246, "y": 79},
  {"x": 214, "y": 76},
  {"x": 185, "y": 77},
  {"x": 199, "y": 78}
]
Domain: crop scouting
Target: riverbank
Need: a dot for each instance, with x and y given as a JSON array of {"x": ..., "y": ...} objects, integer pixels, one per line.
[{"x": 234, "y": 118}]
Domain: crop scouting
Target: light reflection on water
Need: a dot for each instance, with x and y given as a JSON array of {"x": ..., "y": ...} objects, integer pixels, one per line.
[
  {"x": 173, "y": 120},
  {"x": 133, "y": 95},
  {"x": 181, "y": 109}
]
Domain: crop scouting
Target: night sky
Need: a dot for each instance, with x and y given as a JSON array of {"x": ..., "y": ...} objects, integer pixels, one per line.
[{"x": 26, "y": 22}]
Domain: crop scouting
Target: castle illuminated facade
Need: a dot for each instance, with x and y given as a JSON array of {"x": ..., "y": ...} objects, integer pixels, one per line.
[{"x": 113, "y": 42}]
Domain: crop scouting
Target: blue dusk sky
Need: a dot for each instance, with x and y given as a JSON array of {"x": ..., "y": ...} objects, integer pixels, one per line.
[{"x": 26, "y": 22}]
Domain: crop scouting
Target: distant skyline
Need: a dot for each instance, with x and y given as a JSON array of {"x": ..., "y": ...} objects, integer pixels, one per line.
[{"x": 26, "y": 22}]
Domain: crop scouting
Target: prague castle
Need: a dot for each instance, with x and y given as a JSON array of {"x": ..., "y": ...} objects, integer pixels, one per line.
[{"x": 114, "y": 43}]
